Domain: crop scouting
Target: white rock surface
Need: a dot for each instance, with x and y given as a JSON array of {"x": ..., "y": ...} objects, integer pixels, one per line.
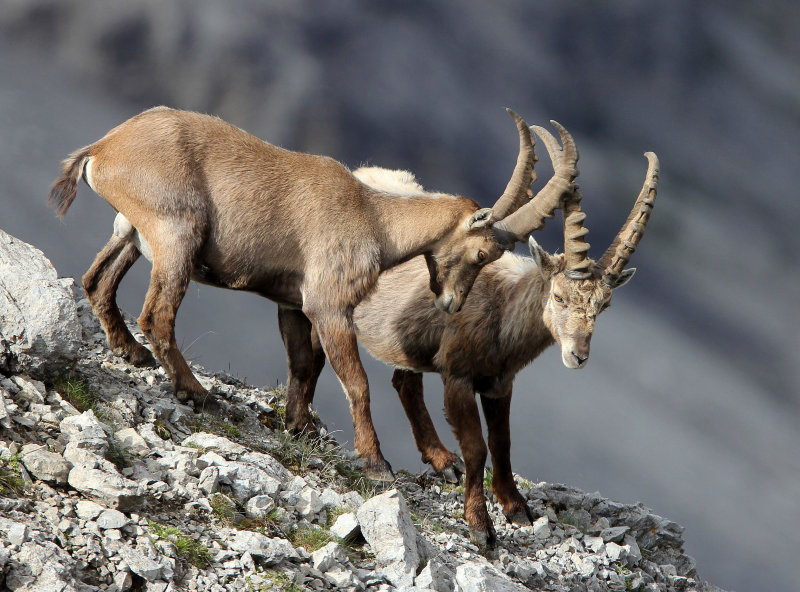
[
  {"x": 131, "y": 525},
  {"x": 39, "y": 327},
  {"x": 479, "y": 577},
  {"x": 387, "y": 526},
  {"x": 45, "y": 465}
]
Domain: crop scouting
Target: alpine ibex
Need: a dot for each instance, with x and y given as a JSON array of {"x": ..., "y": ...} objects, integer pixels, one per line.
[
  {"x": 519, "y": 306},
  {"x": 207, "y": 201}
]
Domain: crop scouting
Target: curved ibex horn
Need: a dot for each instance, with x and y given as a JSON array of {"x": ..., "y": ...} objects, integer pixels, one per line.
[
  {"x": 576, "y": 249},
  {"x": 533, "y": 215},
  {"x": 624, "y": 244},
  {"x": 518, "y": 190}
]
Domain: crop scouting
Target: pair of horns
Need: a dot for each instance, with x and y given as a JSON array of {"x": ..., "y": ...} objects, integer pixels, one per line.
[
  {"x": 518, "y": 213},
  {"x": 618, "y": 254}
]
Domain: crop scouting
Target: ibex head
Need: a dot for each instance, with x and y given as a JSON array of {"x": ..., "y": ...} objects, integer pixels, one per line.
[
  {"x": 580, "y": 288},
  {"x": 455, "y": 262}
]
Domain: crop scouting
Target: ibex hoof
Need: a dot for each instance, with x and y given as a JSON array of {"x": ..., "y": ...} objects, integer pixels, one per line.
[
  {"x": 453, "y": 470},
  {"x": 520, "y": 515},
  {"x": 202, "y": 399},
  {"x": 142, "y": 358},
  {"x": 379, "y": 470},
  {"x": 136, "y": 354},
  {"x": 485, "y": 539}
]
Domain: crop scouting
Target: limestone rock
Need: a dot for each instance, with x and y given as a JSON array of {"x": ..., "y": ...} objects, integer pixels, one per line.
[
  {"x": 269, "y": 550},
  {"x": 387, "y": 527},
  {"x": 39, "y": 328},
  {"x": 45, "y": 465},
  {"x": 130, "y": 440},
  {"x": 346, "y": 526},
  {"x": 111, "y": 488},
  {"x": 477, "y": 577}
]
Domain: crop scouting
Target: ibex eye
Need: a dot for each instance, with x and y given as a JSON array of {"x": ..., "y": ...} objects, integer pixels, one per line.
[{"x": 557, "y": 298}]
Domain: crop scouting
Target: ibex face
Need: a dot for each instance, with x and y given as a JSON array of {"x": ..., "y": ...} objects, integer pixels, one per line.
[
  {"x": 455, "y": 262},
  {"x": 571, "y": 306}
]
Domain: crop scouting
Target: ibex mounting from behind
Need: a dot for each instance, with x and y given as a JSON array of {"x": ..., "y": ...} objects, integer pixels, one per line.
[
  {"x": 204, "y": 200},
  {"x": 518, "y": 307}
]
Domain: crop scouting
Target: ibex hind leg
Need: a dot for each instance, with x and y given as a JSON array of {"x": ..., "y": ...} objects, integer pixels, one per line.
[
  {"x": 409, "y": 387},
  {"x": 169, "y": 279},
  {"x": 305, "y": 359},
  {"x": 100, "y": 283}
]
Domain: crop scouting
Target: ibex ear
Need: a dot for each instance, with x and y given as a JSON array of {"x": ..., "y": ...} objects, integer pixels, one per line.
[
  {"x": 540, "y": 257},
  {"x": 479, "y": 219},
  {"x": 624, "y": 277}
]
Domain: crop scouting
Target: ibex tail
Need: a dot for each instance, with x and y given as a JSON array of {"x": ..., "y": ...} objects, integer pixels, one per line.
[{"x": 66, "y": 186}]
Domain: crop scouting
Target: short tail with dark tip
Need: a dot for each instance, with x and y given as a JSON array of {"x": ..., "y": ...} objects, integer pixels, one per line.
[{"x": 66, "y": 186}]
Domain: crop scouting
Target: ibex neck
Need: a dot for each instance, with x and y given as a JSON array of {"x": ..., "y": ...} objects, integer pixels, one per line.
[
  {"x": 412, "y": 225},
  {"x": 523, "y": 291}
]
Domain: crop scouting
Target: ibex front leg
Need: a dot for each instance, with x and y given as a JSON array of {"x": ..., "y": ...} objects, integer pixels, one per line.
[
  {"x": 305, "y": 359},
  {"x": 462, "y": 414},
  {"x": 496, "y": 412},
  {"x": 408, "y": 385},
  {"x": 100, "y": 283},
  {"x": 338, "y": 338}
]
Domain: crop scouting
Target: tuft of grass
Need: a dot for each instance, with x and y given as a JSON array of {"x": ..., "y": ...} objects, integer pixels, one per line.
[
  {"x": 487, "y": 479},
  {"x": 189, "y": 550},
  {"x": 428, "y": 523},
  {"x": 76, "y": 390},
  {"x": 311, "y": 538},
  {"x": 356, "y": 479},
  {"x": 279, "y": 581},
  {"x": 268, "y": 525},
  {"x": 334, "y": 513},
  {"x": 206, "y": 422},
  {"x": 296, "y": 451},
  {"x": 11, "y": 481},
  {"x": 222, "y": 508}
]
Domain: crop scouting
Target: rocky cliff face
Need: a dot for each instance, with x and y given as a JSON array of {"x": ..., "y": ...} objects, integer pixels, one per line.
[{"x": 107, "y": 482}]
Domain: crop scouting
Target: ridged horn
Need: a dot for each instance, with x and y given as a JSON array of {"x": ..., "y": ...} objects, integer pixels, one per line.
[
  {"x": 518, "y": 190},
  {"x": 576, "y": 249},
  {"x": 533, "y": 215},
  {"x": 624, "y": 244}
]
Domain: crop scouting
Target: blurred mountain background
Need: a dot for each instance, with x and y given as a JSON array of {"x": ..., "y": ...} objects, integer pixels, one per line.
[{"x": 691, "y": 401}]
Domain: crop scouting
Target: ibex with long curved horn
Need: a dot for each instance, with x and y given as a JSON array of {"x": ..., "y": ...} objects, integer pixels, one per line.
[
  {"x": 204, "y": 200},
  {"x": 518, "y": 307}
]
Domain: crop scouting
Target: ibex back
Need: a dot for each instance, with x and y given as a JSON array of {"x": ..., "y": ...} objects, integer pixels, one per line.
[{"x": 205, "y": 200}]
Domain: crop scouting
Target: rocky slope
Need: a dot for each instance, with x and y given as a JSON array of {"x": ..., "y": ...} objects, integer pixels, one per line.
[{"x": 107, "y": 482}]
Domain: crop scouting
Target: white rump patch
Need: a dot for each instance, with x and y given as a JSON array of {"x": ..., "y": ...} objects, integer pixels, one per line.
[
  {"x": 391, "y": 181},
  {"x": 126, "y": 231},
  {"x": 87, "y": 173}
]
